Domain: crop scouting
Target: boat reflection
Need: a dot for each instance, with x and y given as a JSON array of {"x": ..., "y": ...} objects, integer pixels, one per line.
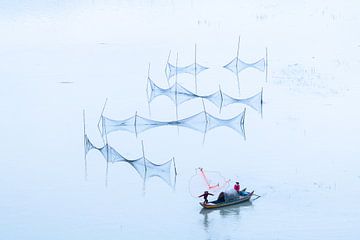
[
  {"x": 229, "y": 210},
  {"x": 224, "y": 212}
]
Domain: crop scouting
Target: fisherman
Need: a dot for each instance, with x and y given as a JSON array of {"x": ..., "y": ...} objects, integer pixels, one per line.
[
  {"x": 205, "y": 195},
  {"x": 237, "y": 187}
]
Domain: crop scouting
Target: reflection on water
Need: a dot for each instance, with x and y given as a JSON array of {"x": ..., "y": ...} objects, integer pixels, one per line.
[
  {"x": 229, "y": 210},
  {"x": 235, "y": 209},
  {"x": 224, "y": 212}
]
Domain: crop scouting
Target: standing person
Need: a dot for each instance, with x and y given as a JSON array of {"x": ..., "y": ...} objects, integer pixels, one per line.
[
  {"x": 237, "y": 187},
  {"x": 205, "y": 195}
]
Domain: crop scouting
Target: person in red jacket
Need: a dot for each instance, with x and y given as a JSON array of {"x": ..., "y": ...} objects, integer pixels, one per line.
[
  {"x": 237, "y": 187},
  {"x": 205, "y": 195}
]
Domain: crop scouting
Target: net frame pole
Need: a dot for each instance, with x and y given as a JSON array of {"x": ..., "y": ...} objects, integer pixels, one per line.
[
  {"x": 101, "y": 119},
  {"x": 85, "y": 159},
  {"x": 237, "y": 69},
  {"x": 145, "y": 168},
  {"x": 107, "y": 146},
  {"x": 206, "y": 120},
  {"x": 243, "y": 124},
  {"x": 147, "y": 89},
  {"x": 222, "y": 99},
  {"x": 175, "y": 175},
  {"x": 107, "y": 171},
  {"x": 176, "y": 91},
  {"x": 261, "y": 103},
  {"x": 237, "y": 54},
  {"x": 176, "y": 88},
  {"x": 167, "y": 66},
  {"x": 266, "y": 64},
  {"x": 107, "y": 158},
  {"x": 238, "y": 83},
  {"x": 135, "y": 124},
  {"x": 143, "y": 153},
  {"x": 174, "y": 166},
  {"x": 195, "y": 73}
]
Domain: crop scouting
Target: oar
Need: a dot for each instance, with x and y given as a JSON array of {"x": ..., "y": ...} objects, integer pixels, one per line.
[{"x": 257, "y": 196}]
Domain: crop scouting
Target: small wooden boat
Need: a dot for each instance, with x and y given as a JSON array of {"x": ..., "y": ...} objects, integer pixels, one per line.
[{"x": 243, "y": 197}]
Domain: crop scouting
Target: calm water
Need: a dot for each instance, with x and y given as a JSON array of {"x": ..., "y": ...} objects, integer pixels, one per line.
[{"x": 60, "y": 57}]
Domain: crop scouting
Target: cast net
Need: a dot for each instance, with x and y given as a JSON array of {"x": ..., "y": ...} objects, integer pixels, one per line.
[{"x": 210, "y": 181}]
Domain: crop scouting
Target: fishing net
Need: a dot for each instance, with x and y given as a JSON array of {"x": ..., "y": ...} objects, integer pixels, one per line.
[
  {"x": 236, "y": 123},
  {"x": 210, "y": 181},
  {"x": 236, "y": 65},
  {"x": 201, "y": 122},
  {"x": 109, "y": 125},
  {"x": 255, "y": 102},
  {"x": 147, "y": 169},
  {"x": 143, "y": 166},
  {"x": 87, "y": 144},
  {"x": 178, "y": 94},
  {"x": 108, "y": 152},
  {"x": 230, "y": 194},
  {"x": 194, "y": 69}
]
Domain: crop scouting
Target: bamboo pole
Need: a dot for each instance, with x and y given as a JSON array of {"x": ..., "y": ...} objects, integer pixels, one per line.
[
  {"x": 195, "y": 73},
  {"x": 206, "y": 120},
  {"x": 176, "y": 92},
  {"x": 101, "y": 119},
  {"x": 222, "y": 99},
  {"x": 147, "y": 90},
  {"x": 266, "y": 64},
  {"x": 143, "y": 152},
  {"x": 135, "y": 125},
  {"x": 237, "y": 69},
  {"x": 167, "y": 66},
  {"x": 85, "y": 160},
  {"x": 107, "y": 158}
]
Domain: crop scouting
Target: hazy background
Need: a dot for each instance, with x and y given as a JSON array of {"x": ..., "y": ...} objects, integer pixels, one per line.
[{"x": 301, "y": 155}]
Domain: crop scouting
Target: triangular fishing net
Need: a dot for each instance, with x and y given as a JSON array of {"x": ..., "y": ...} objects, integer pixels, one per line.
[
  {"x": 114, "y": 156},
  {"x": 147, "y": 169},
  {"x": 176, "y": 92},
  {"x": 108, "y": 152},
  {"x": 144, "y": 167},
  {"x": 156, "y": 91},
  {"x": 216, "y": 98},
  {"x": 255, "y": 102},
  {"x": 236, "y": 123},
  {"x": 142, "y": 124},
  {"x": 236, "y": 65},
  {"x": 109, "y": 125},
  {"x": 219, "y": 99},
  {"x": 87, "y": 144},
  {"x": 201, "y": 122},
  {"x": 197, "y": 122},
  {"x": 162, "y": 171},
  {"x": 194, "y": 69}
]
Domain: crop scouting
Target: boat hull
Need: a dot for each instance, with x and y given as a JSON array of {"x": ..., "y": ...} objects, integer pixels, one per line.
[{"x": 224, "y": 204}]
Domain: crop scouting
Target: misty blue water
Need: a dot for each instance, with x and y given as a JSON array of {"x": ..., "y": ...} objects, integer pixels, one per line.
[{"x": 58, "y": 58}]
